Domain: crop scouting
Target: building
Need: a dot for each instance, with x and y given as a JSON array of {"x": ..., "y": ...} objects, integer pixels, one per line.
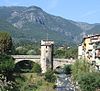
[
  {"x": 90, "y": 49},
  {"x": 46, "y": 55},
  {"x": 80, "y": 52}
]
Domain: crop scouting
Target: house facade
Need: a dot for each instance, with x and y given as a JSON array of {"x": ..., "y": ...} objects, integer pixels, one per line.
[{"x": 89, "y": 49}]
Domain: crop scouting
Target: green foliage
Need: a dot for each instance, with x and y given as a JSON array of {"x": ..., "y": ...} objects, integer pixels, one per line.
[
  {"x": 89, "y": 81},
  {"x": 6, "y": 64},
  {"x": 49, "y": 76},
  {"x": 36, "y": 68},
  {"x": 33, "y": 82},
  {"x": 31, "y": 52},
  {"x": 66, "y": 53},
  {"x": 5, "y": 43},
  {"x": 7, "y": 85},
  {"x": 85, "y": 75},
  {"x": 7, "y": 82},
  {"x": 67, "y": 69},
  {"x": 13, "y": 31},
  {"x": 28, "y": 48},
  {"x": 71, "y": 53},
  {"x": 60, "y": 53},
  {"x": 80, "y": 67},
  {"x": 21, "y": 50}
]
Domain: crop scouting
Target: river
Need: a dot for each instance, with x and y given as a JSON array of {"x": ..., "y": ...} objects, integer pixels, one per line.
[{"x": 64, "y": 83}]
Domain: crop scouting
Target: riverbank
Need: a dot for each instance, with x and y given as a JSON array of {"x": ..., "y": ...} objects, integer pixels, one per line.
[{"x": 33, "y": 82}]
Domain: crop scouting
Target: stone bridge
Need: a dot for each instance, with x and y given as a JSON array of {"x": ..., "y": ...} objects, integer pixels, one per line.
[
  {"x": 61, "y": 62},
  {"x": 36, "y": 58}
]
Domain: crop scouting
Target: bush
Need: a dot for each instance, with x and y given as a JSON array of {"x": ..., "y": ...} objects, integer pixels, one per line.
[
  {"x": 80, "y": 67},
  {"x": 7, "y": 80},
  {"x": 89, "y": 81},
  {"x": 6, "y": 64},
  {"x": 49, "y": 76},
  {"x": 67, "y": 69},
  {"x": 6, "y": 45},
  {"x": 36, "y": 68}
]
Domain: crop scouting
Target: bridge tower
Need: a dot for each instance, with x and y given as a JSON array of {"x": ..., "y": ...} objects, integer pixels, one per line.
[{"x": 46, "y": 55}]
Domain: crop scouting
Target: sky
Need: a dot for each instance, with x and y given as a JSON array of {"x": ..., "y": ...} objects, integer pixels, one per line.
[{"x": 77, "y": 10}]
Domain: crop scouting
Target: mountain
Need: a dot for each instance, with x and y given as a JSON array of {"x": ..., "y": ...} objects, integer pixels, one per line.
[{"x": 33, "y": 24}]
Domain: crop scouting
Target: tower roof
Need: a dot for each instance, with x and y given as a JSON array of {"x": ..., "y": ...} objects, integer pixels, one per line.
[{"x": 47, "y": 42}]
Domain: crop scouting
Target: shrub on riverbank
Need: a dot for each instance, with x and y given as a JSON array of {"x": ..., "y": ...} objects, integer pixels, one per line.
[
  {"x": 49, "y": 76},
  {"x": 83, "y": 73},
  {"x": 89, "y": 81}
]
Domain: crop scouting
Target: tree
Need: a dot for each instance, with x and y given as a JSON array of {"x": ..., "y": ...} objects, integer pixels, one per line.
[
  {"x": 36, "y": 68},
  {"x": 60, "y": 53},
  {"x": 6, "y": 65},
  {"x": 89, "y": 81},
  {"x": 66, "y": 53},
  {"x": 71, "y": 53},
  {"x": 21, "y": 50},
  {"x": 49, "y": 76},
  {"x": 67, "y": 69},
  {"x": 80, "y": 67},
  {"x": 7, "y": 82},
  {"x": 28, "y": 48},
  {"x": 31, "y": 52},
  {"x": 85, "y": 75},
  {"x": 5, "y": 43}
]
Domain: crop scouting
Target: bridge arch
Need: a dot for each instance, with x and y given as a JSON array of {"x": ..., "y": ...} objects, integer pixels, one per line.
[
  {"x": 24, "y": 65},
  {"x": 61, "y": 62},
  {"x": 27, "y": 66},
  {"x": 32, "y": 60}
]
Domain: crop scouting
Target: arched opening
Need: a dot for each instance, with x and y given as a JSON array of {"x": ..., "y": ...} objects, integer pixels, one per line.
[
  {"x": 58, "y": 67},
  {"x": 59, "y": 70},
  {"x": 24, "y": 66}
]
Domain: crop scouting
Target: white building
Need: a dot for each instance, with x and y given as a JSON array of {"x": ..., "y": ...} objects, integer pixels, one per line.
[{"x": 80, "y": 51}]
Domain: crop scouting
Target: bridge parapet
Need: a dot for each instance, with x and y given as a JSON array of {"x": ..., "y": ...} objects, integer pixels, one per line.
[
  {"x": 64, "y": 60},
  {"x": 26, "y": 56},
  {"x": 19, "y": 58}
]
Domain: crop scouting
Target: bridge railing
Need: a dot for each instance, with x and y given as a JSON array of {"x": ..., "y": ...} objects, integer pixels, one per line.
[{"x": 26, "y": 56}]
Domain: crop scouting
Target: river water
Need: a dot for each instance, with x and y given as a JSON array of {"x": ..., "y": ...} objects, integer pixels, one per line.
[{"x": 64, "y": 83}]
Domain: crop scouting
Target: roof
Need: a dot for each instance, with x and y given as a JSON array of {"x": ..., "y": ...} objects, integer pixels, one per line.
[{"x": 90, "y": 36}]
